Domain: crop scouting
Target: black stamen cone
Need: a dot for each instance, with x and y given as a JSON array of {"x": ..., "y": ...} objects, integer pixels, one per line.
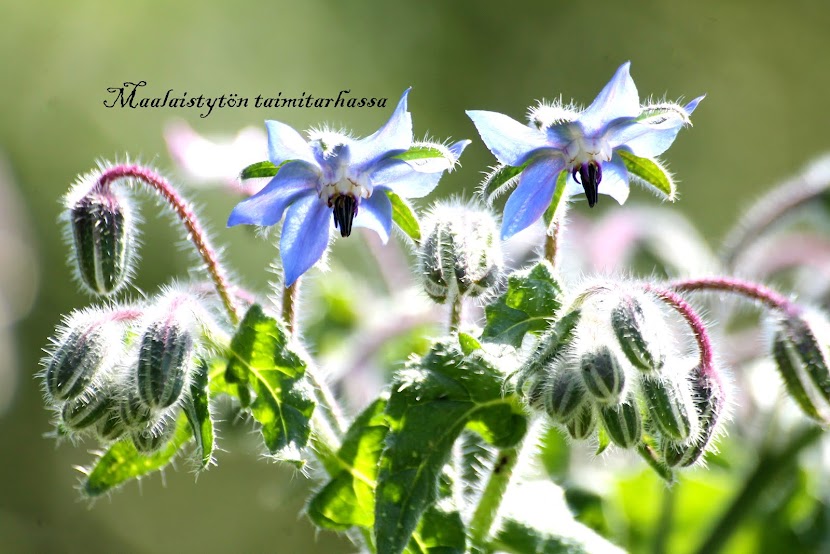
[
  {"x": 590, "y": 175},
  {"x": 344, "y": 210}
]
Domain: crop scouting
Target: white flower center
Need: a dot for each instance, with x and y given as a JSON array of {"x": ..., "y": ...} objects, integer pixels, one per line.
[
  {"x": 346, "y": 186},
  {"x": 583, "y": 150}
]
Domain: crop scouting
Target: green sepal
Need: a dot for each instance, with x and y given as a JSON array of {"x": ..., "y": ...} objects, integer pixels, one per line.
[
  {"x": 556, "y": 201},
  {"x": 532, "y": 298},
  {"x": 648, "y": 452},
  {"x": 432, "y": 401},
  {"x": 420, "y": 152},
  {"x": 260, "y": 170},
  {"x": 651, "y": 173},
  {"x": 260, "y": 356},
  {"x": 198, "y": 413},
  {"x": 494, "y": 183},
  {"x": 468, "y": 343},
  {"x": 122, "y": 462},
  {"x": 603, "y": 440},
  {"x": 404, "y": 216}
]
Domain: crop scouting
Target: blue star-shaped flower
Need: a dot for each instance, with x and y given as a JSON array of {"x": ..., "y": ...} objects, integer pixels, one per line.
[
  {"x": 333, "y": 177},
  {"x": 585, "y": 143}
]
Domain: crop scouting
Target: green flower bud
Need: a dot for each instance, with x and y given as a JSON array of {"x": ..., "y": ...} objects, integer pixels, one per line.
[
  {"x": 111, "y": 427},
  {"x": 84, "y": 411},
  {"x": 623, "y": 423},
  {"x": 461, "y": 254},
  {"x": 710, "y": 403},
  {"x": 583, "y": 423},
  {"x": 603, "y": 375},
  {"x": 79, "y": 355},
  {"x": 564, "y": 395},
  {"x": 552, "y": 344},
  {"x": 165, "y": 362},
  {"x": 151, "y": 438},
  {"x": 637, "y": 324},
  {"x": 133, "y": 411},
  {"x": 103, "y": 233},
  {"x": 671, "y": 407}
]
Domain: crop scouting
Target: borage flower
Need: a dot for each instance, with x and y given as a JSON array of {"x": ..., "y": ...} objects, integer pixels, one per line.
[
  {"x": 597, "y": 146},
  {"x": 333, "y": 177}
]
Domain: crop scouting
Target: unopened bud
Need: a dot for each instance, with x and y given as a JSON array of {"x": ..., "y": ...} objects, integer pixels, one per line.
[
  {"x": 84, "y": 411},
  {"x": 583, "y": 423},
  {"x": 111, "y": 427},
  {"x": 133, "y": 411},
  {"x": 603, "y": 375},
  {"x": 709, "y": 401},
  {"x": 623, "y": 423},
  {"x": 104, "y": 232},
  {"x": 150, "y": 439},
  {"x": 461, "y": 254},
  {"x": 636, "y": 323},
  {"x": 564, "y": 395},
  {"x": 552, "y": 344},
  {"x": 671, "y": 407}
]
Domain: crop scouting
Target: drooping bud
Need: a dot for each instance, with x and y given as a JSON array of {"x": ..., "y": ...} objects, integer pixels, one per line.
[
  {"x": 638, "y": 325},
  {"x": 151, "y": 438},
  {"x": 461, "y": 254},
  {"x": 671, "y": 406},
  {"x": 133, "y": 411},
  {"x": 87, "y": 409},
  {"x": 603, "y": 375},
  {"x": 552, "y": 344},
  {"x": 167, "y": 352},
  {"x": 103, "y": 232},
  {"x": 564, "y": 395},
  {"x": 803, "y": 363},
  {"x": 710, "y": 403},
  {"x": 111, "y": 427},
  {"x": 623, "y": 423},
  {"x": 583, "y": 423}
]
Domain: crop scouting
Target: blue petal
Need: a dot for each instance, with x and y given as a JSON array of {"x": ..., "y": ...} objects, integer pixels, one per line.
[
  {"x": 510, "y": 142},
  {"x": 690, "y": 107},
  {"x": 400, "y": 177},
  {"x": 395, "y": 135},
  {"x": 305, "y": 236},
  {"x": 533, "y": 195},
  {"x": 644, "y": 139},
  {"x": 294, "y": 179},
  {"x": 284, "y": 144},
  {"x": 617, "y": 99},
  {"x": 375, "y": 213},
  {"x": 615, "y": 182},
  {"x": 458, "y": 148}
]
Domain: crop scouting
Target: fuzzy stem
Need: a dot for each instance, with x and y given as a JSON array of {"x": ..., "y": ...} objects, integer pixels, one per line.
[
  {"x": 695, "y": 322},
  {"x": 551, "y": 239},
  {"x": 491, "y": 498},
  {"x": 456, "y": 306},
  {"x": 771, "y": 466},
  {"x": 195, "y": 232},
  {"x": 333, "y": 413},
  {"x": 290, "y": 296},
  {"x": 748, "y": 289}
]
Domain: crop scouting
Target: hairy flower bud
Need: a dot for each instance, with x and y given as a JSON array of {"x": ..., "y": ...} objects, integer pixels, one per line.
[
  {"x": 111, "y": 427},
  {"x": 461, "y": 254},
  {"x": 133, "y": 411},
  {"x": 602, "y": 374},
  {"x": 671, "y": 407},
  {"x": 710, "y": 403},
  {"x": 564, "y": 395},
  {"x": 637, "y": 324},
  {"x": 552, "y": 344},
  {"x": 623, "y": 423},
  {"x": 84, "y": 411},
  {"x": 103, "y": 233},
  {"x": 583, "y": 423},
  {"x": 151, "y": 438}
]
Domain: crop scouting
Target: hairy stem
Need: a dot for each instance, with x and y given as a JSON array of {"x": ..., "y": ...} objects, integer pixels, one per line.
[
  {"x": 771, "y": 466},
  {"x": 747, "y": 289},
  {"x": 551, "y": 239},
  {"x": 488, "y": 506},
  {"x": 456, "y": 306},
  {"x": 325, "y": 397},
  {"x": 195, "y": 232},
  {"x": 290, "y": 295}
]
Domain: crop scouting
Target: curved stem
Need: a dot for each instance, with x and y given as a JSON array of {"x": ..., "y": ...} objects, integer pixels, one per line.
[
  {"x": 748, "y": 289},
  {"x": 195, "y": 232},
  {"x": 770, "y": 467},
  {"x": 491, "y": 498}
]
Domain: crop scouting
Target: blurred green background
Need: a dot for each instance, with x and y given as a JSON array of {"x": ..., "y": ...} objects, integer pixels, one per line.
[{"x": 763, "y": 65}]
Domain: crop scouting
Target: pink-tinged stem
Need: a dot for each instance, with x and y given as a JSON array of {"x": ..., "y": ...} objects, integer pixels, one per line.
[
  {"x": 695, "y": 322},
  {"x": 195, "y": 232},
  {"x": 748, "y": 289}
]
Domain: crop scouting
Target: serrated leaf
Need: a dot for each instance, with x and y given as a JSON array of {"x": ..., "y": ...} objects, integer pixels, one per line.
[
  {"x": 198, "y": 413},
  {"x": 259, "y": 170},
  {"x": 650, "y": 172},
  {"x": 349, "y": 497},
  {"x": 532, "y": 298},
  {"x": 439, "y": 532},
  {"x": 260, "y": 356},
  {"x": 123, "y": 462},
  {"x": 432, "y": 401},
  {"x": 494, "y": 184},
  {"x": 556, "y": 201},
  {"x": 404, "y": 216},
  {"x": 468, "y": 343}
]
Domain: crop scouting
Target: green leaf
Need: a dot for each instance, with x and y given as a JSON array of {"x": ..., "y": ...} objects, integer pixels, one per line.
[
  {"x": 404, "y": 216},
  {"x": 260, "y": 356},
  {"x": 603, "y": 440},
  {"x": 555, "y": 208},
  {"x": 651, "y": 173},
  {"x": 349, "y": 497},
  {"x": 439, "y": 532},
  {"x": 532, "y": 298},
  {"x": 497, "y": 181},
  {"x": 260, "y": 170},
  {"x": 420, "y": 152},
  {"x": 198, "y": 413},
  {"x": 468, "y": 343},
  {"x": 123, "y": 462},
  {"x": 522, "y": 539},
  {"x": 432, "y": 401}
]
